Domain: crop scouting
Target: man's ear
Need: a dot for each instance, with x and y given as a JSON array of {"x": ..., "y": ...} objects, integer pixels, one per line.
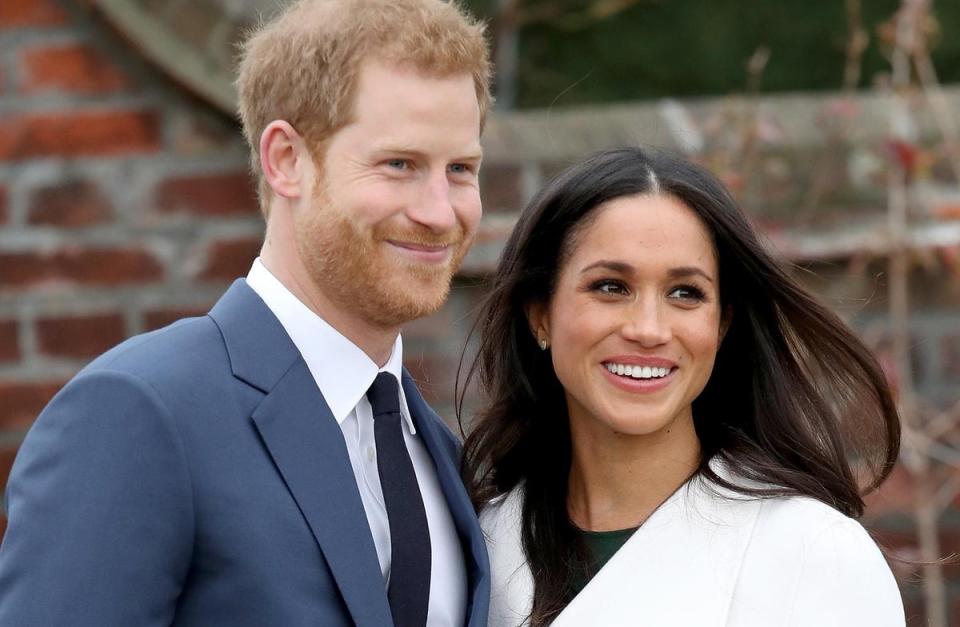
[
  {"x": 538, "y": 320},
  {"x": 284, "y": 159},
  {"x": 725, "y": 319}
]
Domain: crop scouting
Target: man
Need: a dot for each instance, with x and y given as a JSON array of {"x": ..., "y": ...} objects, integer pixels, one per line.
[{"x": 270, "y": 464}]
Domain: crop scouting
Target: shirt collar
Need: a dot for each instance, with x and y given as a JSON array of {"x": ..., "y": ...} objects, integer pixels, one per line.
[{"x": 342, "y": 371}]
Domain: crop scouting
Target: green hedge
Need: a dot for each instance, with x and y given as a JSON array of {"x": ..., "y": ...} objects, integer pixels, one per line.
[{"x": 688, "y": 48}]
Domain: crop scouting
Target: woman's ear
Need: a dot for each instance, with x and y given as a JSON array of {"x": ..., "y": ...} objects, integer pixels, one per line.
[{"x": 539, "y": 323}]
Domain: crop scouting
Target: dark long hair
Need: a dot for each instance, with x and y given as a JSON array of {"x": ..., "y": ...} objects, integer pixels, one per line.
[{"x": 795, "y": 400}]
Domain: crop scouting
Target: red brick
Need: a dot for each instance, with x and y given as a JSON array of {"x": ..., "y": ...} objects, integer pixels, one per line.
[
  {"x": 435, "y": 373},
  {"x": 432, "y": 328},
  {"x": 21, "y": 402},
  {"x": 18, "y": 13},
  {"x": 159, "y": 318},
  {"x": 74, "y": 68},
  {"x": 895, "y": 495},
  {"x": 194, "y": 133},
  {"x": 74, "y": 134},
  {"x": 950, "y": 357},
  {"x": 79, "y": 336},
  {"x": 9, "y": 341},
  {"x": 226, "y": 260},
  {"x": 112, "y": 266},
  {"x": 502, "y": 187},
  {"x": 7, "y": 455},
  {"x": 72, "y": 204},
  {"x": 210, "y": 195}
]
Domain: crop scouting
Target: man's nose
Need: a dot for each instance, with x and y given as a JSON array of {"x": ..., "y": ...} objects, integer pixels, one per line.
[{"x": 433, "y": 208}]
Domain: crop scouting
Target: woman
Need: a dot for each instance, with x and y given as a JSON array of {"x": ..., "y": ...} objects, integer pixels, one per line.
[{"x": 676, "y": 433}]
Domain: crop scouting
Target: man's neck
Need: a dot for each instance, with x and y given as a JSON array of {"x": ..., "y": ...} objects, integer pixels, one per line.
[{"x": 376, "y": 341}]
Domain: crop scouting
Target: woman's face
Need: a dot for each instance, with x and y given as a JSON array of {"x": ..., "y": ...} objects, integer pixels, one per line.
[{"x": 635, "y": 321}]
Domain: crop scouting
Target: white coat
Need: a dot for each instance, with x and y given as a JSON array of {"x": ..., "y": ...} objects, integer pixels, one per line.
[{"x": 708, "y": 557}]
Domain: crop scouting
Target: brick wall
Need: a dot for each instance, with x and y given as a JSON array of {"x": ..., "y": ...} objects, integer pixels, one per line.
[{"x": 125, "y": 204}]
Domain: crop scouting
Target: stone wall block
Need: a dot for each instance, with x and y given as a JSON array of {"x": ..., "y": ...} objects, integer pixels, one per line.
[{"x": 80, "y": 336}]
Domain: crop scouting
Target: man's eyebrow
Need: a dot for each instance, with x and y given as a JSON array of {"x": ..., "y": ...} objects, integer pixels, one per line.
[
  {"x": 625, "y": 268},
  {"x": 469, "y": 155}
]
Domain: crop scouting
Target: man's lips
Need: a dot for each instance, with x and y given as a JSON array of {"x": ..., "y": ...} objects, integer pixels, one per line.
[{"x": 423, "y": 252}]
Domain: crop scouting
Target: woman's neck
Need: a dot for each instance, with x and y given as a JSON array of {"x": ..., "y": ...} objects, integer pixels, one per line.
[{"x": 617, "y": 481}]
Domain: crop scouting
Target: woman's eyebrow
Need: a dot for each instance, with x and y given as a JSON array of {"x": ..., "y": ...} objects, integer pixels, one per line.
[
  {"x": 685, "y": 271},
  {"x": 626, "y": 268},
  {"x": 616, "y": 266}
]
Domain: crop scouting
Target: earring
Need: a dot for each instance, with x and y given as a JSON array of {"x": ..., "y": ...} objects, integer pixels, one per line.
[{"x": 543, "y": 344}]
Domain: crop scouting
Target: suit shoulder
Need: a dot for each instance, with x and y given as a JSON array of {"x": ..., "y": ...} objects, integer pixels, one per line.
[{"x": 188, "y": 346}]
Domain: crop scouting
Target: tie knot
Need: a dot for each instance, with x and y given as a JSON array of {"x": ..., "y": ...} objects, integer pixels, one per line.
[{"x": 383, "y": 395}]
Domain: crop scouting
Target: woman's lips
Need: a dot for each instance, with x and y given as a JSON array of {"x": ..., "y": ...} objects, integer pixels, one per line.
[{"x": 639, "y": 374}]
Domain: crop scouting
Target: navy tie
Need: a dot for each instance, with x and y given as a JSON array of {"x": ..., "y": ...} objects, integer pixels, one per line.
[{"x": 409, "y": 590}]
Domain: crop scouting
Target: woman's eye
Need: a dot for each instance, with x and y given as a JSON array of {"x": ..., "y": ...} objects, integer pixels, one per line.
[
  {"x": 687, "y": 293},
  {"x": 607, "y": 286}
]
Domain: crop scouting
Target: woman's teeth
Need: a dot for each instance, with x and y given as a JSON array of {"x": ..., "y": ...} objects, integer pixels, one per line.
[{"x": 638, "y": 372}]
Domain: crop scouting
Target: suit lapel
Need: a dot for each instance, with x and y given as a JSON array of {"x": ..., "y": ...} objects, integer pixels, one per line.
[
  {"x": 679, "y": 568},
  {"x": 445, "y": 460},
  {"x": 307, "y": 447}
]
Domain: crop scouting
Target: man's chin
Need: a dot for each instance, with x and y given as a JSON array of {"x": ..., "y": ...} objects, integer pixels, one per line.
[{"x": 399, "y": 309}]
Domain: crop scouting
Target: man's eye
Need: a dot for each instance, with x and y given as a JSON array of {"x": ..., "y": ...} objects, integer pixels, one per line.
[
  {"x": 459, "y": 168},
  {"x": 397, "y": 164}
]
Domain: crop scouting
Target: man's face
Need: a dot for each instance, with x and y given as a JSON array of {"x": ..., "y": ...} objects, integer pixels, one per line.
[{"x": 396, "y": 202}]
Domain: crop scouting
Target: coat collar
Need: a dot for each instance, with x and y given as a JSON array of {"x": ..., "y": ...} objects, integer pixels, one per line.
[
  {"x": 260, "y": 351},
  {"x": 679, "y": 568},
  {"x": 307, "y": 447}
]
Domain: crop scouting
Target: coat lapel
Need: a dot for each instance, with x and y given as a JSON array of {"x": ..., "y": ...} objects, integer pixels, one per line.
[
  {"x": 679, "y": 568},
  {"x": 445, "y": 460},
  {"x": 307, "y": 447}
]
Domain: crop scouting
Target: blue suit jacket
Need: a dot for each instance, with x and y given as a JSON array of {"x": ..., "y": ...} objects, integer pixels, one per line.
[{"x": 194, "y": 476}]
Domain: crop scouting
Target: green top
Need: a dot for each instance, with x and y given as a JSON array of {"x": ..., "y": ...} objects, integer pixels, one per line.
[{"x": 600, "y": 545}]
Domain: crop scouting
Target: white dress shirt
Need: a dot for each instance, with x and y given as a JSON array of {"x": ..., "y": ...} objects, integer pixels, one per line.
[{"x": 343, "y": 374}]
